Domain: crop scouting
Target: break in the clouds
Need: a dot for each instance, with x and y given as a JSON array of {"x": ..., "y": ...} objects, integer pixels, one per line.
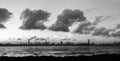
[
  {"x": 98, "y": 19},
  {"x": 34, "y": 19},
  {"x": 82, "y": 27},
  {"x": 4, "y": 16},
  {"x": 66, "y": 19}
]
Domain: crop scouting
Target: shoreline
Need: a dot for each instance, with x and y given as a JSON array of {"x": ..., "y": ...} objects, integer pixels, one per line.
[{"x": 101, "y": 57}]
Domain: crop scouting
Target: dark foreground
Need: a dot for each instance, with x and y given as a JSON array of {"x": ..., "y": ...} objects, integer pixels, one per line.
[{"x": 104, "y": 57}]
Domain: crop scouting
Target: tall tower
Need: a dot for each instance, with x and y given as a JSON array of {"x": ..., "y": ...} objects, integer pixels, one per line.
[
  {"x": 88, "y": 41},
  {"x": 28, "y": 41},
  {"x": 61, "y": 43}
]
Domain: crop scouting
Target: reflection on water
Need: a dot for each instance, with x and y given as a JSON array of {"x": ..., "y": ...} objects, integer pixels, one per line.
[{"x": 58, "y": 50}]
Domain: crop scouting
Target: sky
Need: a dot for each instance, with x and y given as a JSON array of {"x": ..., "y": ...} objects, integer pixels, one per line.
[{"x": 107, "y": 9}]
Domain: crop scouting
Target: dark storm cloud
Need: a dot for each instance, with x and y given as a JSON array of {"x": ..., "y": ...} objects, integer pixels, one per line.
[
  {"x": 66, "y": 19},
  {"x": 4, "y": 15},
  {"x": 34, "y": 19},
  {"x": 2, "y": 26},
  {"x": 102, "y": 31}
]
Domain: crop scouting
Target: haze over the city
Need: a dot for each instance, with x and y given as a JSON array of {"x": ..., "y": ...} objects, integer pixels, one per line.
[{"x": 59, "y": 19}]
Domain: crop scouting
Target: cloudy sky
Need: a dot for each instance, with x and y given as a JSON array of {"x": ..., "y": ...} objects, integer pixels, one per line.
[{"x": 80, "y": 19}]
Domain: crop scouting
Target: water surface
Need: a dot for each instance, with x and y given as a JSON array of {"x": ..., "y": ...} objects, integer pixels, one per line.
[{"x": 57, "y": 50}]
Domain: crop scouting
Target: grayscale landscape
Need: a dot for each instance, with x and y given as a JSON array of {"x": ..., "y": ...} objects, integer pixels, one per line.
[{"x": 59, "y": 28}]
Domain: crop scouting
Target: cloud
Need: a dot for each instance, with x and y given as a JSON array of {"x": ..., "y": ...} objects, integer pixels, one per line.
[
  {"x": 116, "y": 34},
  {"x": 102, "y": 31},
  {"x": 82, "y": 27},
  {"x": 66, "y": 19},
  {"x": 118, "y": 26},
  {"x": 99, "y": 19},
  {"x": 4, "y": 15},
  {"x": 34, "y": 19},
  {"x": 2, "y": 26},
  {"x": 91, "y": 9},
  {"x": 87, "y": 27}
]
